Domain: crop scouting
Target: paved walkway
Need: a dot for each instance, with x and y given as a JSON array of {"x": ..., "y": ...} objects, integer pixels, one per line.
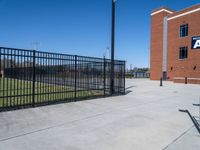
[{"x": 147, "y": 118}]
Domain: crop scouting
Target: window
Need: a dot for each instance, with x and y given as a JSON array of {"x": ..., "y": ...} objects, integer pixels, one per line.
[
  {"x": 183, "y": 53},
  {"x": 184, "y": 30}
]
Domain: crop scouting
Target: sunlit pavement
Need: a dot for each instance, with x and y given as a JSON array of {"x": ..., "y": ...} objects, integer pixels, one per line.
[{"x": 146, "y": 118}]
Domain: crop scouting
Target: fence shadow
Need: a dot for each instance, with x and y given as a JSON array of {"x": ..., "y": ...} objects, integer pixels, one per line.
[{"x": 127, "y": 90}]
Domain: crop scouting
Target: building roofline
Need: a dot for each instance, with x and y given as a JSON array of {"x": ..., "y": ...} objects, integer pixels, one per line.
[
  {"x": 161, "y": 9},
  {"x": 184, "y": 12}
]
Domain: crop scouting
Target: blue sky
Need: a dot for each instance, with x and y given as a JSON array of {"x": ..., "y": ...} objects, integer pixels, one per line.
[{"x": 82, "y": 26}]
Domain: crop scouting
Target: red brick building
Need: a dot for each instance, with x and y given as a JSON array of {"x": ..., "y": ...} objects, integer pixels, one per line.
[{"x": 175, "y": 44}]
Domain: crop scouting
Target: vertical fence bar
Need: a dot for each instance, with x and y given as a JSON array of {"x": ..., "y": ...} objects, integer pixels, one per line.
[
  {"x": 4, "y": 87},
  {"x": 33, "y": 86},
  {"x": 6, "y": 54},
  {"x": 1, "y": 87},
  {"x": 10, "y": 78},
  {"x": 75, "y": 77},
  {"x": 15, "y": 78},
  {"x": 104, "y": 76},
  {"x": 23, "y": 77},
  {"x": 124, "y": 77}
]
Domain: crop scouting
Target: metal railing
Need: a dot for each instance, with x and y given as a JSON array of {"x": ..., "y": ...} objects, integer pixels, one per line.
[{"x": 30, "y": 78}]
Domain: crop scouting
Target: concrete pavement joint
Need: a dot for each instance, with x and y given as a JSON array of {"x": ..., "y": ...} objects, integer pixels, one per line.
[
  {"x": 52, "y": 127},
  {"x": 176, "y": 139}
]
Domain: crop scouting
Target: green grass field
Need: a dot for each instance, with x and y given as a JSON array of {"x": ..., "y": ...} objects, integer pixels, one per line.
[{"x": 19, "y": 92}]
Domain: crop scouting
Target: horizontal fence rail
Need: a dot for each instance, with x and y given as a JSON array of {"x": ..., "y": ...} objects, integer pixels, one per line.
[{"x": 30, "y": 78}]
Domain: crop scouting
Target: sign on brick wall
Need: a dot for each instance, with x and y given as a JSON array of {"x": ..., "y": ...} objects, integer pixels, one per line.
[{"x": 196, "y": 42}]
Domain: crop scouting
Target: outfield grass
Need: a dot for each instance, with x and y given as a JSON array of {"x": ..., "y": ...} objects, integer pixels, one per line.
[{"x": 19, "y": 92}]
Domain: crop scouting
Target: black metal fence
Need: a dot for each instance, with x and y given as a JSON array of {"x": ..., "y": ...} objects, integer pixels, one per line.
[{"x": 34, "y": 78}]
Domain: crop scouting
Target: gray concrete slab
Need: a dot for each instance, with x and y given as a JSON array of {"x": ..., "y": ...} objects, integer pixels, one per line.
[{"x": 146, "y": 118}]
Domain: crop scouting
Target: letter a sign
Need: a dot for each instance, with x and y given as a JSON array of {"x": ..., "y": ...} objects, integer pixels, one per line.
[{"x": 196, "y": 42}]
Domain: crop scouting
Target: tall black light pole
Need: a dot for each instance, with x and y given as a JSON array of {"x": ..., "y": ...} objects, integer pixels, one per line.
[{"x": 112, "y": 47}]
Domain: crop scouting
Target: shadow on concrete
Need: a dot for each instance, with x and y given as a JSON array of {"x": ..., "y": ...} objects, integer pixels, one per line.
[{"x": 128, "y": 91}]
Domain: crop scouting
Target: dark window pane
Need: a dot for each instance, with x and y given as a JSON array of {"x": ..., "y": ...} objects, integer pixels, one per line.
[
  {"x": 183, "y": 52},
  {"x": 186, "y": 52},
  {"x": 184, "y": 30}
]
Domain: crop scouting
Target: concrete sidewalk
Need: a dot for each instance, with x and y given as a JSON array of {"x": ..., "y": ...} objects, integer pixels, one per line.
[{"x": 147, "y": 118}]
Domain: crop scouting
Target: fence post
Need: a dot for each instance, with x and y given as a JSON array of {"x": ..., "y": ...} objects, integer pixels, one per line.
[
  {"x": 124, "y": 77},
  {"x": 104, "y": 76},
  {"x": 75, "y": 77},
  {"x": 33, "y": 86}
]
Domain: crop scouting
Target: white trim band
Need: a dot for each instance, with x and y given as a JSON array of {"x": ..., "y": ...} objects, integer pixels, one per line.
[
  {"x": 183, "y": 14},
  {"x": 156, "y": 12},
  {"x": 178, "y": 78}
]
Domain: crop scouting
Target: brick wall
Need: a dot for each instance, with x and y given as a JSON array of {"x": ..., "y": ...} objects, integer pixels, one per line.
[
  {"x": 176, "y": 68},
  {"x": 189, "y": 67}
]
